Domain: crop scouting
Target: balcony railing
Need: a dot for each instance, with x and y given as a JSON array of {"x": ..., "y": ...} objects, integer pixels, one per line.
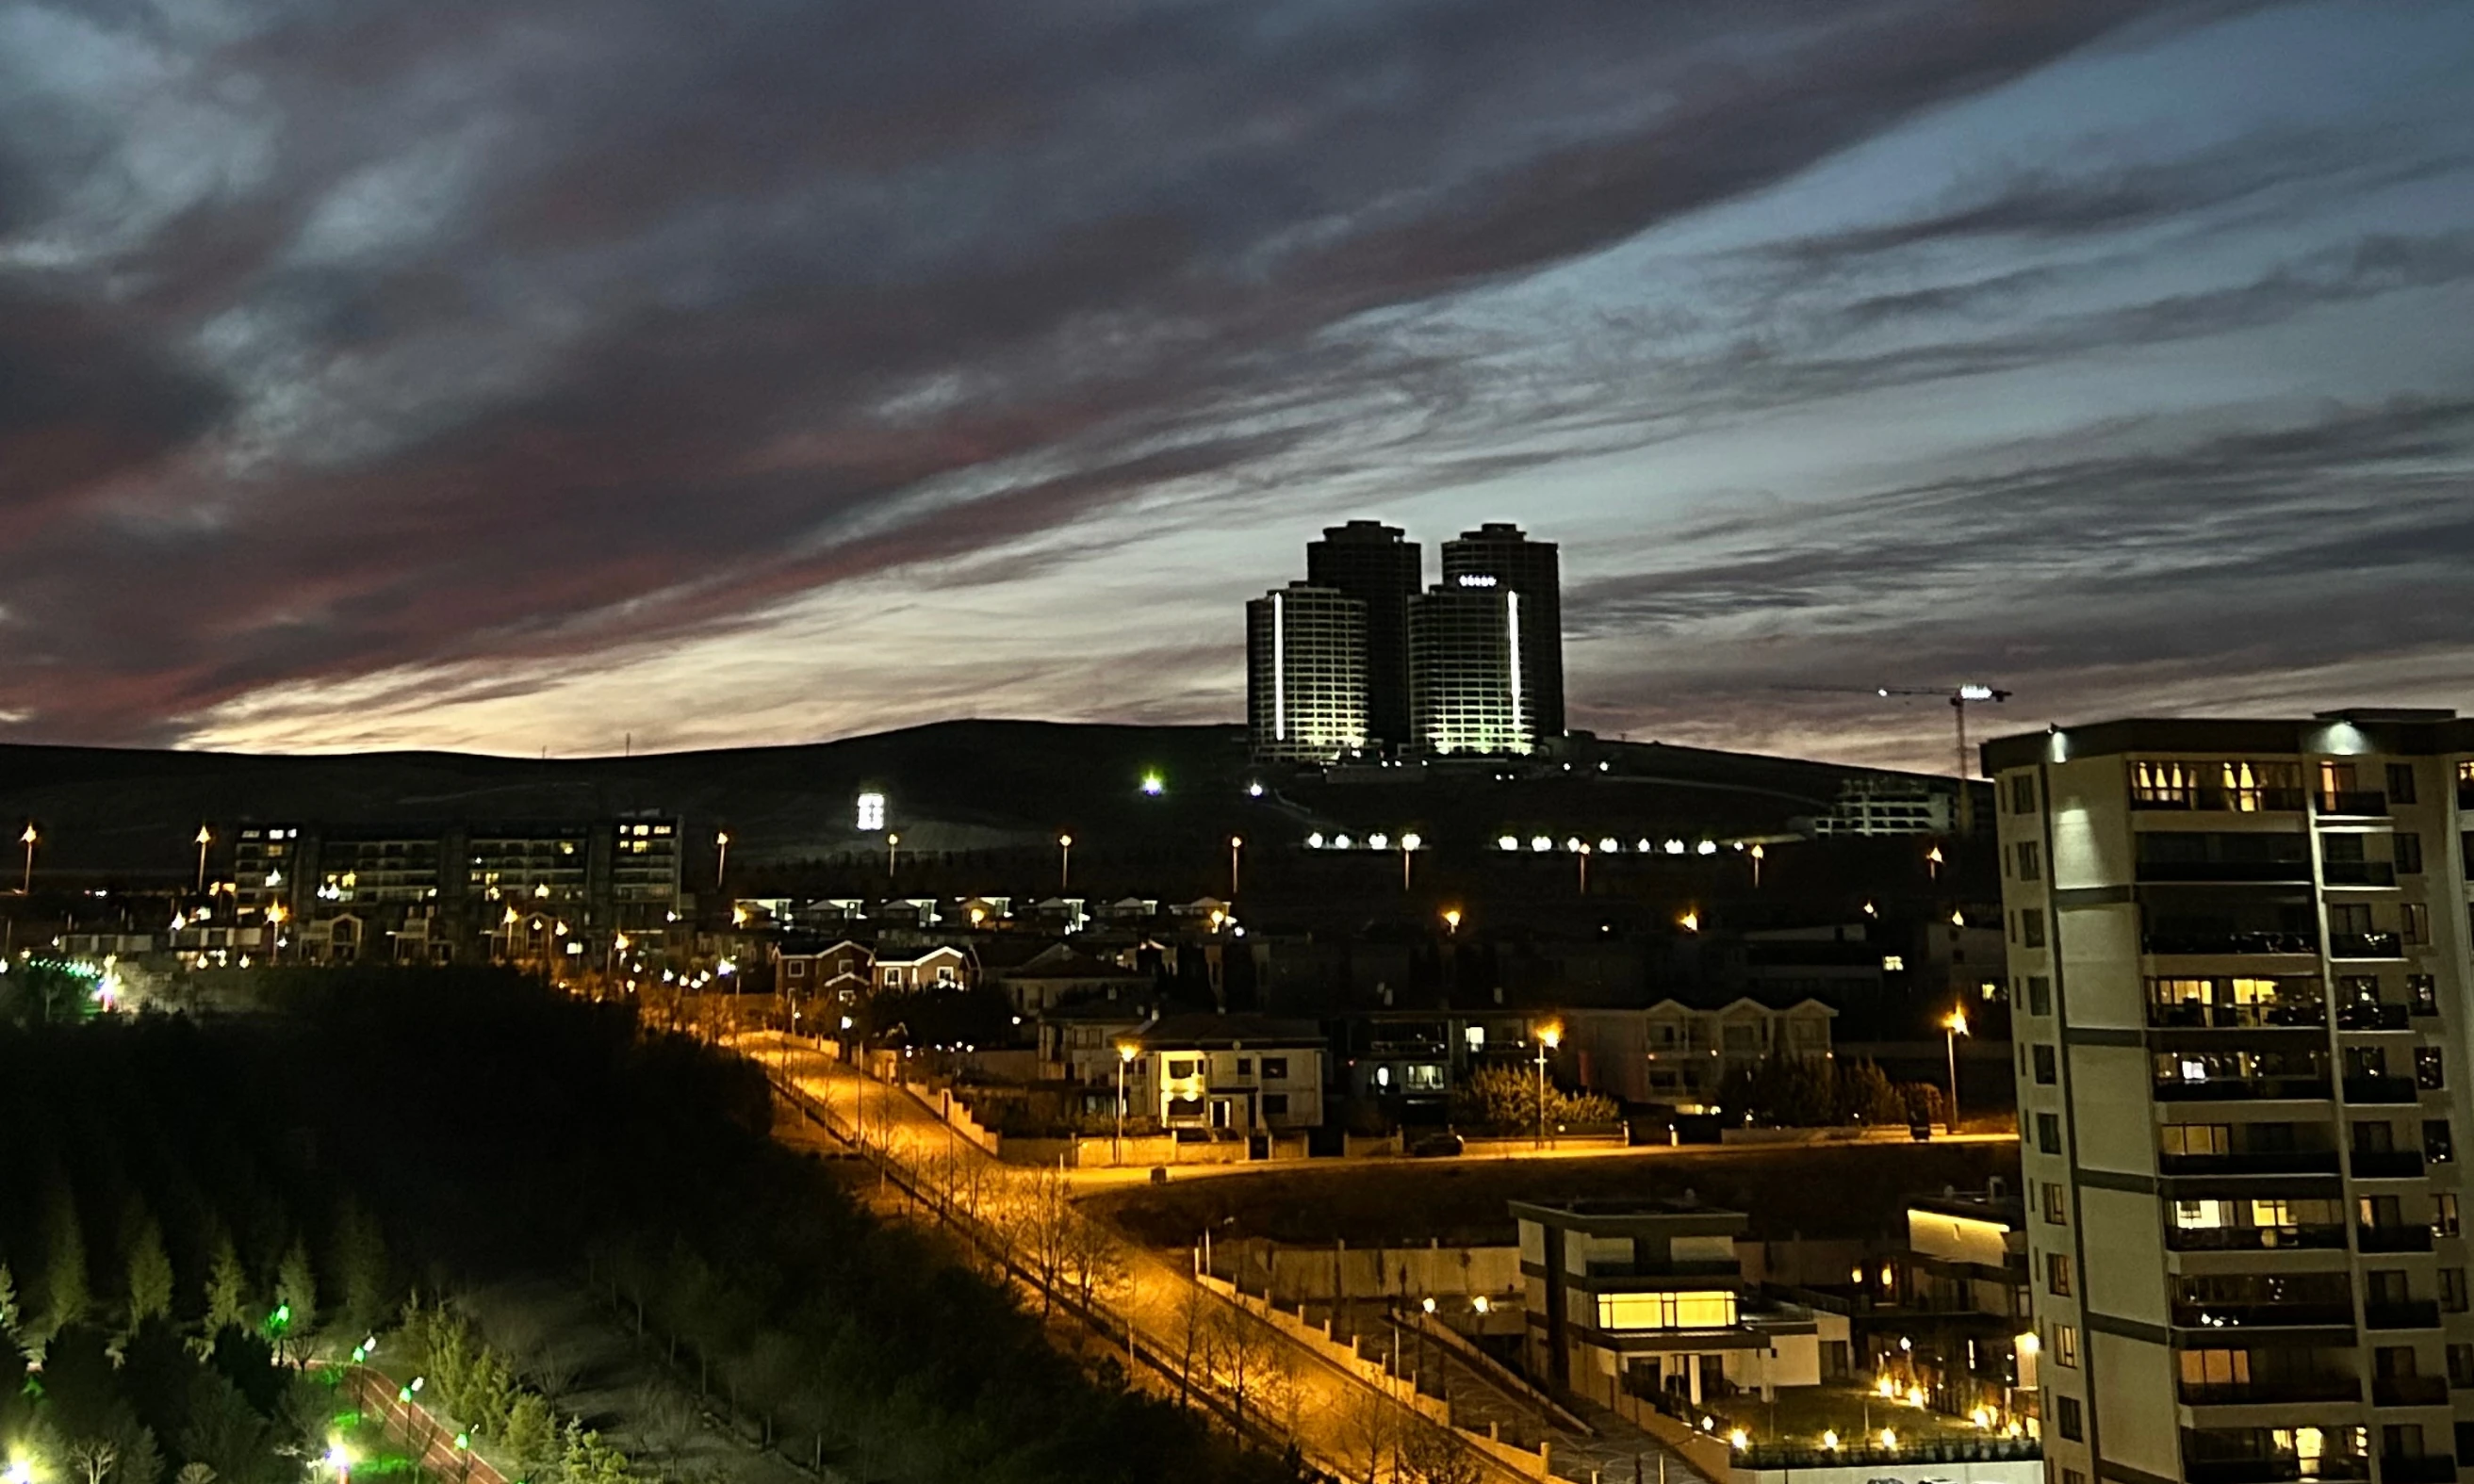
[
  {"x": 2215, "y": 800},
  {"x": 2263, "y": 1316},
  {"x": 2392, "y": 1238},
  {"x": 2253, "y": 1238},
  {"x": 2418, "y": 1468},
  {"x": 2364, "y": 945},
  {"x": 2228, "y": 872},
  {"x": 2385, "y": 1163},
  {"x": 2273, "y": 1470},
  {"x": 2373, "y": 1018},
  {"x": 2298, "y": 1388},
  {"x": 2359, "y": 873},
  {"x": 2379, "y": 1088},
  {"x": 2219, "y": 945},
  {"x": 2193, "y": 1015},
  {"x": 2410, "y": 1391},
  {"x": 2354, "y": 804},
  {"x": 2239, "y": 1090},
  {"x": 2256, "y": 1162},
  {"x": 2410, "y": 1314}
]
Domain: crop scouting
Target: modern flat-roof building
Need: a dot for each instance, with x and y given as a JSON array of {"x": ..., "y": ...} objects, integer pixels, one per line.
[
  {"x": 1381, "y": 568},
  {"x": 1305, "y": 674},
  {"x": 1500, "y": 557},
  {"x": 2241, "y": 978},
  {"x": 1468, "y": 689}
]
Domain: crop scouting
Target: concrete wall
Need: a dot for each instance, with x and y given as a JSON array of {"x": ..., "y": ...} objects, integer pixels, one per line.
[{"x": 1292, "y": 1273}]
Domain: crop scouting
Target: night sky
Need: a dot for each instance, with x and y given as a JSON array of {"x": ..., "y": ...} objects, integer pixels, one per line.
[{"x": 521, "y": 374}]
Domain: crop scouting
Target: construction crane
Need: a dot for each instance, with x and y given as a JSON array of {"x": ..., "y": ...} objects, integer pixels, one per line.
[{"x": 1958, "y": 699}]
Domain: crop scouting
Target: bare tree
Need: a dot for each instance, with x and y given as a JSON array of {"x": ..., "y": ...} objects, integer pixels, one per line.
[
  {"x": 1095, "y": 1257},
  {"x": 1252, "y": 1366},
  {"x": 1429, "y": 1454},
  {"x": 1369, "y": 1433},
  {"x": 93, "y": 1459}
]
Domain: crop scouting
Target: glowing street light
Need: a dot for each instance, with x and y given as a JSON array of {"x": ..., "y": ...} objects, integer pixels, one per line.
[
  {"x": 1236, "y": 843},
  {"x": 1064, "y": 863},
  {"x": 1409, "y": 844},
  {"x": 1757, "y": 852},
  {"x": 28, "y": 839},
  {"x": 1452, "y": 922},
  {"x": 1690, "y": 921},
  {"x": 1126, "y": 1052},
  {"x": 206, "y": 837},
  {"x": 1581, "y": 850},
  {"x": 1953, "y": 1026},
  {"x": 1549, "y": 1037},
  {"x": 892, "y": 853},
  {"x": 720, "y": 857}
]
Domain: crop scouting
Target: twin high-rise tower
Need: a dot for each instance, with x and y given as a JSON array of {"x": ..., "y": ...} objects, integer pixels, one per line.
[{"x": 1355, "y": 658}]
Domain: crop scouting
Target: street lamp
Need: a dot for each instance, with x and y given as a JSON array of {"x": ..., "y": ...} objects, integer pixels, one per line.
[
  {"x": 1757, "y": 852},
  {"x": 721, "y": 858},
  {"x": 1583, "y": 854},
  {"x": 206, "y": 837},
  {"x": 1064, "y": 863},
  {"x": 274, "y": 915},
  {"x": 1953, "y": 1026},
  {"x": 28, "y": 839},
  {"x": 1236, "y": 843},
  {"x": 1548, "y": 1038},
  {"x": 1409, "y": 844},
  {"x": 1126, "y": 1052},
  {"x": 1932, "y": 863},
  {"x": 892, "y": 853},
  {"x": 1451, "y": 921}
]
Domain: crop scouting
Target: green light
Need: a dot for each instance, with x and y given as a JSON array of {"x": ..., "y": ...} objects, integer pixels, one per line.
[{"x": 1153, "y": 786}]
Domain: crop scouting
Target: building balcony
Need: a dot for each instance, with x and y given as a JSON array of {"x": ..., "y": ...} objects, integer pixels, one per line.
[
  {"x": 2228, "y": 943},
  {"x": 2358, "y": 873},
  {"x": 2379, "y": 1088},
  {"x": 2263, "y": 1316},
  {"x": 2364, "y": 945},
  {"x": 2257, "y": 1162},
  {"x": 2410, "y": 1391},
  {"x": 2195, "y": 1015},
  {"x": 2409, "y": 1314},
  {"x": 2243, "y": 1089},
  {"x": 2354, "y": 804},
  {"x": 2254, "y": 1238},
  {"x": 2385, "y": 1163},
  {"x": 2392, "y": 1238},
  {"x": 2418, "y": 1469},
  {"x": 2374, "y": 1017},
  {"x": 2289, "y": 1389}
]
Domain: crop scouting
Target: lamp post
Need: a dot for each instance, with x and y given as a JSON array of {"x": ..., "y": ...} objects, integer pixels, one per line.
[
  {"x": 1064, "y": 863},
  {"x": 1755, "y": 852},
  {"x": 1548, "y": 1037},
  {"x": 1236, "y": 843},
  {"x": 1953, "y": 1026},
  {"x": 206, "y": 837},
  {"x": 720, "y": 859},
  {"x": 1583, "y": 854},
  {"x": 1932, "y": 863},
  {"x": 1126, "y": 1053},
  {"x": 1409, "y": 844},
  {"x": 892, "y": 854},
  {"x": 28, "y": 839},
  {"x": 1451, "y": 921},
  {"x": 274, "y": 915}
]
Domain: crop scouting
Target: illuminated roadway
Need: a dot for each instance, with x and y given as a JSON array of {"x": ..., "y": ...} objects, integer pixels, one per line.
[{"x": 1329, "y": 1403}]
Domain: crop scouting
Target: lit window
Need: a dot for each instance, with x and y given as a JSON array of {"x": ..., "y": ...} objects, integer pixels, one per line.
[{"x": 1629, "y": 1311}]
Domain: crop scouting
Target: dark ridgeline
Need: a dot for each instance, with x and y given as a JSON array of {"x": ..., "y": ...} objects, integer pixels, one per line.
[
  {"x": 1380, "y": 568},
  {"x": 1498, "y": 554}
]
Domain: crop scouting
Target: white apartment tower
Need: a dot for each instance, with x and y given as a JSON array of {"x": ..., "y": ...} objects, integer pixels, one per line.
[
  {"x": 1470, "y": 690},
  {"x": 2241, "y": 997},
  {"x": 1305, "y": 674}
]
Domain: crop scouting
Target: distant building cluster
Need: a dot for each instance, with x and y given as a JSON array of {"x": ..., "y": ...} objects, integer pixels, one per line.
[{"x": 1355, "y": 659}]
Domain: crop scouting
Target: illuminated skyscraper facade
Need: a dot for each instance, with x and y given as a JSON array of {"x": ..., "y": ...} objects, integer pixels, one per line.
[
  {"x": 1305, "y": 674},
  {"x": 1469, "y": 691},
  {"x": 1381, "y": 568},
  {"x": 1499, "y": 556}
]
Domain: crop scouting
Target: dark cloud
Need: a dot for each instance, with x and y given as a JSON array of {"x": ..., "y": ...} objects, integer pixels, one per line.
[{"x": 479, "y": 334}]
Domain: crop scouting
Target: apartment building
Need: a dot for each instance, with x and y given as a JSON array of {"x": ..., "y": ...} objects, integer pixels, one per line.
[{"x": 2239, "y": 953}]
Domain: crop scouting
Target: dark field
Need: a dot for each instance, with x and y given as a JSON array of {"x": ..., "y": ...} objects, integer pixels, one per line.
[{"x": 1848, "y": 1190}]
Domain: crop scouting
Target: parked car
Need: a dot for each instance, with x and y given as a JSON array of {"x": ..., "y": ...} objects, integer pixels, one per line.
[{"x": 1441, "y": 1144}]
